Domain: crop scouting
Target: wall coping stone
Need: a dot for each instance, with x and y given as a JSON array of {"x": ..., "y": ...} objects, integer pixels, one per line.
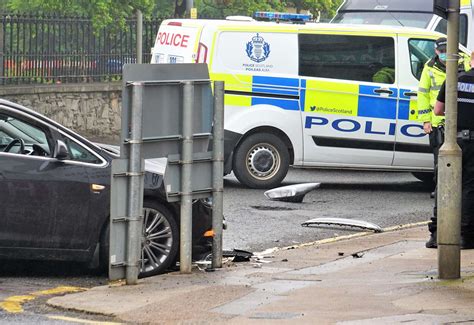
[{"x": 60, "y": 88}]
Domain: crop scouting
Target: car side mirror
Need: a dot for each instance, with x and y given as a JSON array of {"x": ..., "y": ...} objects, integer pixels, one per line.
[{"x": 60, "y": 150}]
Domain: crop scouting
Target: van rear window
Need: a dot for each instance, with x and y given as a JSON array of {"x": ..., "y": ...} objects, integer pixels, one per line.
[{"x": 360, "y": 58}]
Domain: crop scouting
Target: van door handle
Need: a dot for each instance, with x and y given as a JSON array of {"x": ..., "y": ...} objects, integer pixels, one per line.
[
  {"x": 410, "y": 94},
  {"x": 383, "y": 91}
]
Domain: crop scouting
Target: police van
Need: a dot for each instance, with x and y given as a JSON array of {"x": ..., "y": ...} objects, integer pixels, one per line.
[
  {"x": 310, "y": 95},
  {"x": 417, "y": 13}
]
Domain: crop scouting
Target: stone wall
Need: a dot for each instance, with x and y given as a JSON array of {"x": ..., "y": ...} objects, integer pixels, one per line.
[{"x": 92, "y": 110}]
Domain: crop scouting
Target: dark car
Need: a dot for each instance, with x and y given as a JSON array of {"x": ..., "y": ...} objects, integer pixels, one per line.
[{"x": 55, "y": 198}]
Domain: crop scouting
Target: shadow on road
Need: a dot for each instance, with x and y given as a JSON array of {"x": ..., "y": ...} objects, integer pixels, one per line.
[
  {"x": 382, "y": 187},
  {"x": 415, "y": 186},
  {"x": 20, "y": 268}
]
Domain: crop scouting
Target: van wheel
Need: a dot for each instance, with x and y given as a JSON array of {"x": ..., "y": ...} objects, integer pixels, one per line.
[{"x": 261, "y": 161}]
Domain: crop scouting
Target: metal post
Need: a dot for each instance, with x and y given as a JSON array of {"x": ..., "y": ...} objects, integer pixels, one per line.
[
  {"x": 186, "y": 186},
  {"x": 139, "y": 36},
  {"x": 189, "y": 5},
  {"x": 449, "y": 164},
  {"x": 2, "y": 60},
  {"x": 218, "y": 174},
  {"x": 135, "y": 196}
]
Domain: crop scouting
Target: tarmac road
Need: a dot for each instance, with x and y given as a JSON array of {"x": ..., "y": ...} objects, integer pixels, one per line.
[
  {"x": 254, "y": 223},
  {"x": 384, "y": 198},
  {"x": 26, "y": 286}
]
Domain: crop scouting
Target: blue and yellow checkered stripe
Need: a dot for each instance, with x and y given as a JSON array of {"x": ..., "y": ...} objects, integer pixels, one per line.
[{"x": 321, "y": 96}]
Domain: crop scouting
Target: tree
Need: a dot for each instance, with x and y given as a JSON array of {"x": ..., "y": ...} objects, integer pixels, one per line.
[
  {"x": 103, "y": 12},
  {"x": 324, "y": 8},
  {"x": 114, "y": 12},
  {"x": 223, "y": 8}
]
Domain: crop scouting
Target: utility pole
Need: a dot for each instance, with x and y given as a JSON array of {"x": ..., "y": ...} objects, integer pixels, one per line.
[
  {"x": 139, "y": 36},
  {"x": 449, "y": 163},
  {"x": 189, "y": 5}
]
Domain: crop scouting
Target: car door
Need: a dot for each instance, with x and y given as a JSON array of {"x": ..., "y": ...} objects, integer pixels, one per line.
[
  {"x": 412, "y": 145},
  {"x": 350, "y": 99},
  {"x": 98, "y": 172},
  {"x": 44, "y": 202}
]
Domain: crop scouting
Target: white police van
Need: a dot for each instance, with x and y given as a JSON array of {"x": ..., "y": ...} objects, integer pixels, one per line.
[
  {"x": 310, "y": 95},
  {"x": 417, "y": 13}
]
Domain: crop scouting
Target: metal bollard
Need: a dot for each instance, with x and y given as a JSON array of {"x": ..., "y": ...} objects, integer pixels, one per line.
[
  {"x": 218, "y": 174},
  {"x": 135, "y": 197},
  {"x": 186, "y": 223}
]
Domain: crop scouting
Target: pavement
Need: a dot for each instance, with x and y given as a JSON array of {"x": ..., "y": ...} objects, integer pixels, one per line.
[{"x": 364, "y": 278}]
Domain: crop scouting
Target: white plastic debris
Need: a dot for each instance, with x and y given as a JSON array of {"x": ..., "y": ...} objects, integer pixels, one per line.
[
  {"x": 343, "y": 222},
  {"x": 291, "y": 193}
]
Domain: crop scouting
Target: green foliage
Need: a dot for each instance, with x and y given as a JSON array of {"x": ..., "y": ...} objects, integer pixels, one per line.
[
  {"x": 103, "y": 12},
  {"x": 163, "y": 8},
  {"x": 223, "y": 8},
  {"x": 114, "y": 12},
  {"x": 326, "y": 8}
]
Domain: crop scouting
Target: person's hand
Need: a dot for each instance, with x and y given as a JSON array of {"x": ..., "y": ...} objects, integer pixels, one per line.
[{"x": 427, "y": 127}]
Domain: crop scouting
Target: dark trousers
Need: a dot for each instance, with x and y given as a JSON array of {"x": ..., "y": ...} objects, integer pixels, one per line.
[
  {"x": 467, "y": 212},
  {"x": 436, "y": 140}
]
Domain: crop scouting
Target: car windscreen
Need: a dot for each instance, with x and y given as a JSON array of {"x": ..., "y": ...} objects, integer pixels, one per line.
[{"x": 409, "y": 19}]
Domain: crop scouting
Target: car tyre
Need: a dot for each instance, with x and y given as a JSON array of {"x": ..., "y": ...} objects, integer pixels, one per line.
[
  {"x": 160, "y": 243},
  {"x": 261, "y": 161},
  {"x": 160, "y": 239},
  {"x": 104, "y": 247}
]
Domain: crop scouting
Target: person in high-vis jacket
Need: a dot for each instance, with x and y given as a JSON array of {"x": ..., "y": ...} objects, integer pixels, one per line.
[
  {"x": 432, "y": 77},
  {"x": 465, "y": 139}
]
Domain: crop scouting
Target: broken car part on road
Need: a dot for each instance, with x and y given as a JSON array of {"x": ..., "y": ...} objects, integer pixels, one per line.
[
  {"x": 342, "y": 222},
  {"x": 291, "y": 193}
]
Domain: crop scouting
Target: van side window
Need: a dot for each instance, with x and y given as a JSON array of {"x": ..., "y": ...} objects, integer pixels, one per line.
[
  {"x": 360, "y": 58},
  {"x": 443, "y": 28},
  {"x": 421, "y": 50}
]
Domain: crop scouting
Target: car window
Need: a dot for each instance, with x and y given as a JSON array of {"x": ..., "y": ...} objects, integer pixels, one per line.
[
  {"x": 360, "y": 58},
  {"x": 12, "y": 127},
  {"x": 79, "y": 153},
  {"x": 4, "y": 138},
  {"x": 421, "y": 50},
  {"x": 463, "y": 30}
]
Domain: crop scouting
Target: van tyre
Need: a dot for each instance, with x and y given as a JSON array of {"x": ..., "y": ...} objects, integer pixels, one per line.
[{"x": 261, "y": 161}]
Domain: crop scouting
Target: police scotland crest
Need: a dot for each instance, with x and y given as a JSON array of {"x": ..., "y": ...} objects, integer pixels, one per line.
[{"x": 257, "y": 49}]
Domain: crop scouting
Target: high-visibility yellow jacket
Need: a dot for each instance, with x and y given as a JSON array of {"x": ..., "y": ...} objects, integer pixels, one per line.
[{"x": 432, "y": 78}]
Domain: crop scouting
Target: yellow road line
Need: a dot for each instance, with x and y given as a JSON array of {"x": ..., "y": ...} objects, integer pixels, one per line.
[
  {"x": 58, "y": 290},
  {"x": 81, "y": 321},
  {"x": 339, "y": 238},
  {"x": 14, "y": 304}
]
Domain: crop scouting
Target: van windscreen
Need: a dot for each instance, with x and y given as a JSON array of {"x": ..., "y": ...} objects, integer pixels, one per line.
[
  {"x": 408, "y": 19},
  {"x": 390, "y": 5}
]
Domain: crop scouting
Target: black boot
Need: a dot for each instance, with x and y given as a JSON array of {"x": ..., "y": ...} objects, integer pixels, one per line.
[{"x": 432, "y": 243}]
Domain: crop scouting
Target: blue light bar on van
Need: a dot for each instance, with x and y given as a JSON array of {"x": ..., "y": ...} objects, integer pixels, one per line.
[{"x": 267, "y": 15}]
